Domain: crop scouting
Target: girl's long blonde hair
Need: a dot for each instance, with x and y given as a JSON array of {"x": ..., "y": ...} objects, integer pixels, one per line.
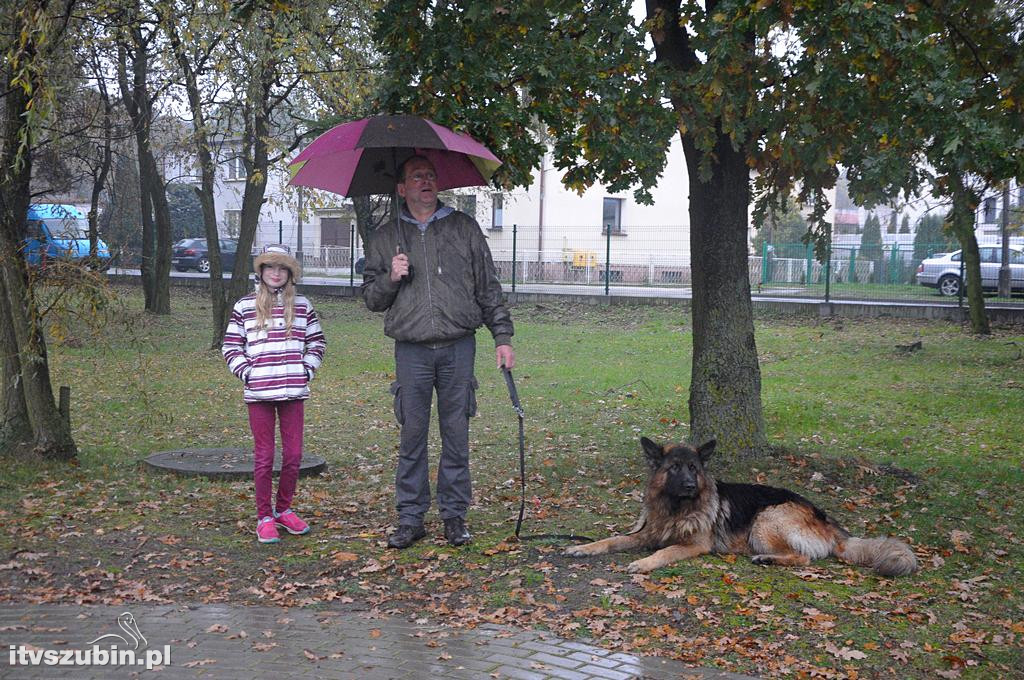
[{"x": 267, "y": 298}]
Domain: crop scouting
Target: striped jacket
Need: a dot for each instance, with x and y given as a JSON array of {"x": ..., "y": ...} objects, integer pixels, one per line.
[{"x": 272, "y": 366}]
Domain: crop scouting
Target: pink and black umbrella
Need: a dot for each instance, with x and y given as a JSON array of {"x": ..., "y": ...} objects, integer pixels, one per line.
[{"x": 361, "y": 157}]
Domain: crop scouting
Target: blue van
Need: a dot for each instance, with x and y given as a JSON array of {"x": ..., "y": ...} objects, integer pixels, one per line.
[{"x": 60, "y": 231}]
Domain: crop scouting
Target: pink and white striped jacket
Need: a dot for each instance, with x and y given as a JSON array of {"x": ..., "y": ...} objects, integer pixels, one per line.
[{"x": 272, "y": 366}]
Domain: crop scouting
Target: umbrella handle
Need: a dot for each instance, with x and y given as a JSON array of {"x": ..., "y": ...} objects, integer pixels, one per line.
[{"x": 407, "y": 277}]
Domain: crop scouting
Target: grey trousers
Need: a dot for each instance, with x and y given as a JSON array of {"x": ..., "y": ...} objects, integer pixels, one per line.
[{"x": 420, "y": 370}]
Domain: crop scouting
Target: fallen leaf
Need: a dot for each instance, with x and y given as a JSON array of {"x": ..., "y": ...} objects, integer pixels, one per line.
[{"x": 199, "y": 662}]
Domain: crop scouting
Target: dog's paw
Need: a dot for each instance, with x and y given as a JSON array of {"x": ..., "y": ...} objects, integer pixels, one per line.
[
  {"x": 763, "y": 560},
  {"x": 643, "y": 566},
  {"x": 578, "y": 551}
]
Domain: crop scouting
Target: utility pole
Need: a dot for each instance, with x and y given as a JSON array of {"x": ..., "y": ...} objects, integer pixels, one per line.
[{"x": 1004, "y": 266}]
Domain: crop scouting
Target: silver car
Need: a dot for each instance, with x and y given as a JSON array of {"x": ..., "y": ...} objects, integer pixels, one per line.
[{"x": 943, "y": 270}]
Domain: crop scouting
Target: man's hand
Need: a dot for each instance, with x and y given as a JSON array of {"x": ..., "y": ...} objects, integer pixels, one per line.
[
  {"x": 399, "y": 267},
  {"x": 506, "y": 356}
]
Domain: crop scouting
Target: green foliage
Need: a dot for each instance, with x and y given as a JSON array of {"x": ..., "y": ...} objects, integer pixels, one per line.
[
  {"x": 953, "y": 101},
  {"x": 787, "y": 228},
  {"x": 121, "y": 219},
  {"x": 796, "y": 88},
  {"x": 932, "y": 237},
  {"x": 186, "y": 212},
  {"x": 905, "y": 224},
  {"x": 510, "y": 73},
  {"x": 871, "y": 240}
]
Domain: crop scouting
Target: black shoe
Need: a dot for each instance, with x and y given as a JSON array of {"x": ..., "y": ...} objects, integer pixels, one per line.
[
  {"x": 455, "y": 531},
  {"x": 405, "y": 535}
]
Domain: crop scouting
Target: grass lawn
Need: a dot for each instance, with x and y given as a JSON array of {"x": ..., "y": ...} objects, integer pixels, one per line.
[{"x": 925, "y": 445}]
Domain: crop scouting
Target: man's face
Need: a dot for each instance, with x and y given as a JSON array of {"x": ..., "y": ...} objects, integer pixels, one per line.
[{"x": 419, "y": 189}]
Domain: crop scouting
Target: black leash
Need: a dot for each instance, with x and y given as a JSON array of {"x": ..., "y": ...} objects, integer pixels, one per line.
[{"x": 514, "y": 396}]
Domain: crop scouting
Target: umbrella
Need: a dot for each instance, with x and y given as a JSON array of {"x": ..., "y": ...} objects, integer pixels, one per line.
[{"x": 362, "y": 157}]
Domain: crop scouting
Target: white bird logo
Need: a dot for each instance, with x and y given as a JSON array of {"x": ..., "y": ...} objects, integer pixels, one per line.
[{"x": 126, "y": 622}]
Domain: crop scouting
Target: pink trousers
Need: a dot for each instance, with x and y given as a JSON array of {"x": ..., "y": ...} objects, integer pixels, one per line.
[{"x": 261, "y": 421}]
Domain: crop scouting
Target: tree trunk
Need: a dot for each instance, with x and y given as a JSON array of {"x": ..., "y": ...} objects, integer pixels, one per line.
[
  {"x": 725, "y": 388},
  {"x": 371, "y": 212},
  {"x": 15, "y": 428},
  {"x": 965, "y": 204},
  {"x": 146, "y": 262},
  {"x": 156, "y": 219},
  {"x": 257, "y": 132},
  {"x": 162, "y": 252},
  {"x": 97, "y": 189},
  {"x": 50, "y": 433},
  {"x": 205, "y": 192}
]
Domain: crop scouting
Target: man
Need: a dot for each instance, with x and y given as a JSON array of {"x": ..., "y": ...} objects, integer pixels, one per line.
[{"x": 433, "y": 274}]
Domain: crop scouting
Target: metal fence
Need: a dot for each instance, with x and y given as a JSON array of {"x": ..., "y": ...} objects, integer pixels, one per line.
[{"x": 654, "y": 261}]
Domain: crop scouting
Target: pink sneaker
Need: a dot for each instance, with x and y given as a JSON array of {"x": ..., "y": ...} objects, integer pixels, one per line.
[
  {"x": 291, "y": 523},
  {"x": 266, "y": 530}
]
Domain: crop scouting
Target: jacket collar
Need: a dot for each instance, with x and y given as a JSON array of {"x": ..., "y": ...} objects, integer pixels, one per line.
[{"x": 441, "y": 211}]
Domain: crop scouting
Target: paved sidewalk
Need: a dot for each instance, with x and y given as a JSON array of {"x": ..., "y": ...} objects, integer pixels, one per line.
[{"x": 227, "y": 642}]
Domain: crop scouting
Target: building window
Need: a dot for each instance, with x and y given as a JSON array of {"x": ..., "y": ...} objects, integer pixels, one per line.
[
  {"x": 497, "y": 211},
  {"x": 232, "y": 222},
  {"x": 990, "y": 209},
  {"x": 611, "y": 218},
  {"x": 234, "y": 168}
]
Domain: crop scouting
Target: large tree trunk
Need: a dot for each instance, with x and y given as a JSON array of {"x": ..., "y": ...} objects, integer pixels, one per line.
[
  {"x": 15, "y": 428},
  {"x": 725, "y": 388},
  {"x": 50, "y": 433},
  {"x": 965, "y": 203}
]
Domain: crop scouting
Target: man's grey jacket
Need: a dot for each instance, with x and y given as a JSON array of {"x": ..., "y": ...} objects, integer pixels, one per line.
[{"x": 454, "y": 287}]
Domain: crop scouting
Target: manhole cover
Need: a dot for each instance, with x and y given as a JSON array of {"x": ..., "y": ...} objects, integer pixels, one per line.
[{"x": 224, "y": 463}]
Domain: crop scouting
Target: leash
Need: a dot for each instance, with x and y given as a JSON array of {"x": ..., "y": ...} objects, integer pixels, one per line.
[{"x": 518, "y": 407}]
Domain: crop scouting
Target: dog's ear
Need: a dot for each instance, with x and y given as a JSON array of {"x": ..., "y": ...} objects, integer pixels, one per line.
[
  {"x": 652, "y": 453},
  {"x": 705, "y": 450}
]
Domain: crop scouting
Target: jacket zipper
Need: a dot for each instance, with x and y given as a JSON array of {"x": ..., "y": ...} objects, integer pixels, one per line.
[{"x": 426, "y": 267}]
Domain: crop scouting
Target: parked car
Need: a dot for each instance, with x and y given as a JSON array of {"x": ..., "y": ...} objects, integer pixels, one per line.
[
  {"x": 192, "y": 253},
  {"x": 59, "y": 231},
  {"x": 943, "y": 271}
]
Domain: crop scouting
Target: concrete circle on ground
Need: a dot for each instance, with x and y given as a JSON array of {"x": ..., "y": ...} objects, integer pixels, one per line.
[{"x": 225, "y": 463}]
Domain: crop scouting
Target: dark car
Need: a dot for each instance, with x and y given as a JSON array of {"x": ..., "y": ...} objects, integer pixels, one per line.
[{"x": 192, "y": 253}]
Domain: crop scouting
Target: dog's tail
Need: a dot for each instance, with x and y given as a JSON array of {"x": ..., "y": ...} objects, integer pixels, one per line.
[{"x": 887, "y": 556}]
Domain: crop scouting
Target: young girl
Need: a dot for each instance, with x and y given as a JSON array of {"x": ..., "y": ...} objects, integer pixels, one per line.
[{"x": 274, "y": 344}]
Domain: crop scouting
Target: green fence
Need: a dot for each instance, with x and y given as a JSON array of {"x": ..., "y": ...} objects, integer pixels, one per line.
[{"x": 654, "y": 261}]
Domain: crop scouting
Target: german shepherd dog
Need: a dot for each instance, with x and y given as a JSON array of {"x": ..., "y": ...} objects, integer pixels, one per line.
[{"x": 689, "y": 513}]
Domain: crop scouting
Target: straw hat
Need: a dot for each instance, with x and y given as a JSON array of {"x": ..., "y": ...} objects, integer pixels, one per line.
[{"x": 279, "y": 254}]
